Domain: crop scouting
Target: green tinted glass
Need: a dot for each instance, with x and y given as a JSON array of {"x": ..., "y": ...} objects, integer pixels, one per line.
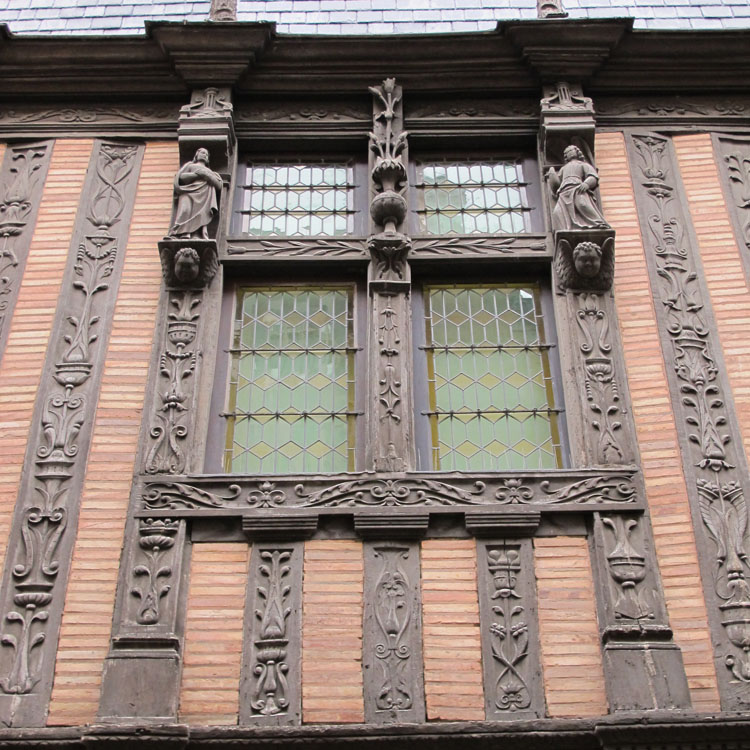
[
  {"x": 295, "y": 200},
  {"x": 491, "y": 399},
  {"x": 291, "y": 395},
  {"x": 472, "y": 198}
]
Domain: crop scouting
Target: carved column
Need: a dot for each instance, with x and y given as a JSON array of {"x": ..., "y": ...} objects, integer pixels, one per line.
[
  {"x": 142, "y": 672},
  {"x": 41, "y": 541},
  {"x": 714, "y": 461},
  {"x": 22, "y": 177},
  {"x": 643, "y": 666},
  {"x": 389, "y": 284}
]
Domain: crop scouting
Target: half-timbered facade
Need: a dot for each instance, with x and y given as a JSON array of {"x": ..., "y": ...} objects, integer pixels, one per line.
[{"x": 375, "y": 390}]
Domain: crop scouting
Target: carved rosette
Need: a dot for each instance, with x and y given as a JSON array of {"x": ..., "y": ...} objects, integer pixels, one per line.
[
  {"x": 47, "y": 510},
  {"x": 711, "y": 439}
]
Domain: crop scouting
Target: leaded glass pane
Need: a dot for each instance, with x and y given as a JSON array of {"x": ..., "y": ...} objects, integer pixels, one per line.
[
  {"x": 491, "y": 400},
  {"x": 291, "y": 396},
  {"x": 472, "y": 198},
  {"x": 301, "y": 200}
]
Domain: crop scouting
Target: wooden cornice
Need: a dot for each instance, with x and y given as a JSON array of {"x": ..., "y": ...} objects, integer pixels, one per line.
[{"x": 608, "y": 56}]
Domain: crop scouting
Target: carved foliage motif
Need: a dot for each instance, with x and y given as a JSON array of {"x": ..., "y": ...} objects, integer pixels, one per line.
[
  {"x": 17, "y": 203},
  {"x": 410, "y": 491},
  {"x": 394, "y": 615},
  {"x": 738, "y": 168},
  {"x": 67, "y": 407},
  {"x": 719, "y": 487},
  {"x": 153, "y": 572},
  {"x": 170, "y": 426},
  {"x": 627, "y": 568},
  {"x": 481, "y": 246},
  {"x": 509, "y": 630},
  {"x": 269, "y": 694},
  {"x": 600, "y": 381}
]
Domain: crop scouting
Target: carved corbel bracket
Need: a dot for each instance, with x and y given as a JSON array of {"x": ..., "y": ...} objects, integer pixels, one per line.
[
  {"x": 188, "y": 263},
  {"x": 584, "y": 259},
  {"x": 389, "y": 271},
  {"x": 269, "y": 527},
  {"x": 208, "y": 122},
  {"x": 567, "y": 117},
  {"x": 501, "y": 525},
  {"x": 391, "y": 526}
]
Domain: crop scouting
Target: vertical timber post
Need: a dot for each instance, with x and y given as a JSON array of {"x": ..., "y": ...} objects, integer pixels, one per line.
[
  {"x": 142, "y": 673},
  {"x": 642, "y": 664}
]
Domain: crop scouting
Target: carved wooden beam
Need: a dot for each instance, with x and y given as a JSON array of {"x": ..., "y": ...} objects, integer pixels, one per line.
[{"x": 41, "y": 542}]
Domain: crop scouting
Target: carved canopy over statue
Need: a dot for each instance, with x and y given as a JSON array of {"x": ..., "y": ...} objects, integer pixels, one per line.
[
  {"x": 573, "y": 185},
  {"x": 196, "y": 188}
]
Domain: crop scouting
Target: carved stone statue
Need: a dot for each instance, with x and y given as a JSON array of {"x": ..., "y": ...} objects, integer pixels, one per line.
[
  {"x": 196, "y": 187},
  {"x": 573, "y": 186}
]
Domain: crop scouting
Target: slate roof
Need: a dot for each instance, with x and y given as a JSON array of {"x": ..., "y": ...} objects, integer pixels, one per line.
[{"x": 359, "y": 16}]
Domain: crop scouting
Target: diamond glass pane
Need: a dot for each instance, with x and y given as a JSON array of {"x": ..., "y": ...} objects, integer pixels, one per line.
[
  {"x": 491, "y": 399},
  {"x": 291, "y": 395},
  {"x": 472, "y": 198},
  {"x": 295, "y": 200}
]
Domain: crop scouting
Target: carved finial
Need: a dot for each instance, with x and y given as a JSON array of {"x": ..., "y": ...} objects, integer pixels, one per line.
[
  {"x": 223, "y": 10},
  {"x": 550, "y": 9}
]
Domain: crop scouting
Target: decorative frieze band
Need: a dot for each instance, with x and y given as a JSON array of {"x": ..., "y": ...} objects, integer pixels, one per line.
[
  {"x": 567, "y": 489},
  {"x": 46, "y": 516},
  {"x": 24, "y": 171},
  {"x": 713, "y": 459}
]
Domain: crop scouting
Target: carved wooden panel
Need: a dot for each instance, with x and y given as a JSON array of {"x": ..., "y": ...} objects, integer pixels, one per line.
[
  {"x": 22, "y": 178},
  {"x": 734, "y": 155},
  {"x": 392, "y": 635},
  {"x": 714, "y": 462},
  {"x": 513, "y": 686},
  {"x": 271, "y": 681},
  {"x": 46, "y": 514}
]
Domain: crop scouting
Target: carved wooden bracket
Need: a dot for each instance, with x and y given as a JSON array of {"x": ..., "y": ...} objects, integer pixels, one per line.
[
  {"x": 584, "y": 260},
  {"x": 188, "y": 263}
]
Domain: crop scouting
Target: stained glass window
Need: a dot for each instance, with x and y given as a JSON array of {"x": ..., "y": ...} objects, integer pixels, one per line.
[
  {"x": 491, "y": 403},
  {"x": 291, "y": 394},
  {"x": 295, "y": 200},
  {"x": 472, "y": 198}
]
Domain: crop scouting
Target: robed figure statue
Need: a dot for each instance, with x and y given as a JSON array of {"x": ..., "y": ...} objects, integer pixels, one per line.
[
  {"x": 573, "y": 185},
  {"x": 196, "y": 187}
]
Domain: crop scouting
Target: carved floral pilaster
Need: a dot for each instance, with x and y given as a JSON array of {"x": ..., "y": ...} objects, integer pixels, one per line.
[
  {"x": 21, "y": 180},
  {"x": 713, "y": 459},
  {"x": 43, "y": 534},
  {"x": 510, "y": 633},
  {"x": 392, "y": 637},
  {"x": 389, "y": 283},
  {"x": 271, "y": 681}
]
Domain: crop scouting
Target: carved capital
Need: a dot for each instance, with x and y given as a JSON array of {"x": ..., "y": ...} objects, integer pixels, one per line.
[
  {"x": 389, "y": 270},
  {"x": 584, "y": 259}
]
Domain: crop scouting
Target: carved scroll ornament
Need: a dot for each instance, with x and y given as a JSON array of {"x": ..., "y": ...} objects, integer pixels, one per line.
[
  {"x": 38, "y": 561},
  {"x": 717, "y": 463}
]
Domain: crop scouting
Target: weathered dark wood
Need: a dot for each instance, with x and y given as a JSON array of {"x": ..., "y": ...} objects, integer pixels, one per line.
[
  {"x": 511, "y": 654},
  {"x": 392, "y": 634},
  {"x": 45, "y": 520},
  {"x": 714, "y": 461},
  {"x": 22, "y": 177},
  {"x": 271, "y": 679}
]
